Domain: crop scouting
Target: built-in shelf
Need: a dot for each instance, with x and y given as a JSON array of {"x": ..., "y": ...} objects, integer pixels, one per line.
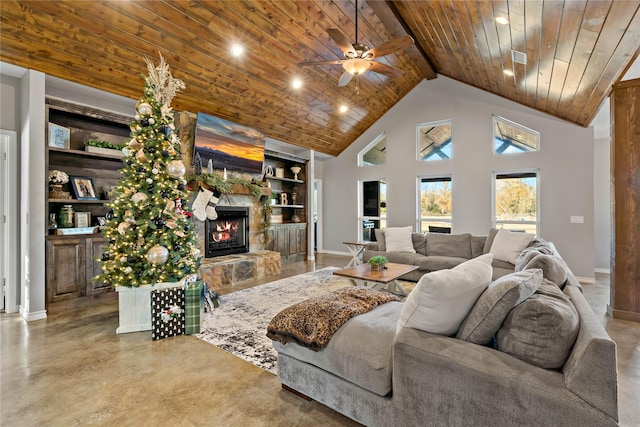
[
  {"x": 76, "y": 201},
  {"x": 85, "y": 154},
  {"x": 285, "y": 179},
  {"x": 288, "y": 206}
]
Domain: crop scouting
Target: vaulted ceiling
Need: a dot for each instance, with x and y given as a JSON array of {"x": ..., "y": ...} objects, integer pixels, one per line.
[{"x": 575, "y": 50}]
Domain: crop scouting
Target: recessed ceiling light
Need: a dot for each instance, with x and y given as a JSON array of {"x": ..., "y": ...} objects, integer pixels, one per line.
[
  {"x": 237, "y": 50},
  {"x": 502, "y": 20},
  {"x": 296, "y": 83},
  {"x": 343, "y": 109},
  {"x": 508, "y": 73}
]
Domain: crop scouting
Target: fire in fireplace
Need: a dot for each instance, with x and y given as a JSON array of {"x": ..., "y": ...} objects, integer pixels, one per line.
[{"x": 229, "y": 233}]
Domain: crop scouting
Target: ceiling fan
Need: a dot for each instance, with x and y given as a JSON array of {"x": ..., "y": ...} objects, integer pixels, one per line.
[{"x": 359, "y": 58}]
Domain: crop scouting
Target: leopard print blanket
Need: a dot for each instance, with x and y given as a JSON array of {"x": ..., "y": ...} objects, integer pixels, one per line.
[{"x": 312, "y": 323}]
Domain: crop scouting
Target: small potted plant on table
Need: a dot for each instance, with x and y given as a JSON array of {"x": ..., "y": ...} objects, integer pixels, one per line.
[{"x": 378, "y": 262}]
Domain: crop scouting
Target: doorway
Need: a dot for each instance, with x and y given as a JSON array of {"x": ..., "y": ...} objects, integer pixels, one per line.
[{"x": 9, "y": 294}]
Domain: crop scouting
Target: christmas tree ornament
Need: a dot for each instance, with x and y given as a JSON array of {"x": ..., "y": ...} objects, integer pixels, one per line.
[
  {"x": 181, "y": 187},
  {"x": 165, "y": 153},
  {"x": 122, "y": 227},
  {"x": 151, "y": 150},
  {"x": 140, "y": 156},
  {"x": 136, "y": 117},
  {"x": 149, "y": 180},
  {"x": 166, "y": 195},
  {"x": 154, "y": 171},
  {"x": 158, "y": 254},
  {"x": 176, "y": 169},
  {"x": 144, "y": 122},
  {"x": 171, "y": 224},
  {"x": 109, "y": 215},
  {"x": 145, "y": 108},
  {"x": 128, "y": 270},
  {"x": 105, "y": 256},
  {"x": 139, "y": 197},
  {"x": 177, "y": 247},
  {"x": 152, "y": 121}
]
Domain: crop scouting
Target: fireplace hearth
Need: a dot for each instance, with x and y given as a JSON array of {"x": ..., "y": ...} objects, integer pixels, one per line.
[{"x": 229, "y": 233}]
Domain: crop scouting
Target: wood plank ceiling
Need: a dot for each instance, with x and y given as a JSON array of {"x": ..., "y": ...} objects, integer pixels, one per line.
[{"x": 575, "y": 51}]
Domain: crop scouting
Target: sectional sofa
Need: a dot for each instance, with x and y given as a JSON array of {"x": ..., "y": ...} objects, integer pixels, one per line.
[{"x": 529, "y": 352}]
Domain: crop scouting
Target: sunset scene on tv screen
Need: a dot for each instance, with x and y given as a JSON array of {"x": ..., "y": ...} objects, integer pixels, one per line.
[{"x": 228, "y": 145}]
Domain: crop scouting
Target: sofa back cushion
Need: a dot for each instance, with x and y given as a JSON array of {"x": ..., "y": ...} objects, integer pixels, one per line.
[
  {"x": 442, "y": 299},
  {"x": 419, "y": 243},
  {"x": 477, "y": 245},
  {"x": 455, "y": 245},
  {"x": 398, "y": 239},
  {"x": 542, "y": 330},
  {"x": 508, "y": 245},
  {"x": 494, "y": 305},
  {"x": 553, "y": 268},
  {"x": 490, "y": 237}
]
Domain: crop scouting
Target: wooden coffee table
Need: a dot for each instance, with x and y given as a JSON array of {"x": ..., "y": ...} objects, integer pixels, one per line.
[{"x": 385, "y": 280}]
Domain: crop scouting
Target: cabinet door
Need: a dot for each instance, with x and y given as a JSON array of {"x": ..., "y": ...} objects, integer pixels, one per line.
[
  {"x": 65, "y": 269},
  {"x": 95, "y": 246}
]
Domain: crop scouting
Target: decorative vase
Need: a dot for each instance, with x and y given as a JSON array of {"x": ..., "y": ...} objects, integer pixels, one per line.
[
  {"x": 65, "y": 219},
  {"x": 296, "y": 170},
  {"x": 56, "y": 192},
  {"x": 377, "y": 267}
]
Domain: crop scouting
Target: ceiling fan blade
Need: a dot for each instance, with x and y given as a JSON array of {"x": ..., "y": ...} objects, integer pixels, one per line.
[
  {"x": 389, "y": 47},
  {"x": 385, "y": 69},
  {"x": 341, "y": 40},
  {"x": 345, "y": 78},
  {"x": 332, "y": 62}
]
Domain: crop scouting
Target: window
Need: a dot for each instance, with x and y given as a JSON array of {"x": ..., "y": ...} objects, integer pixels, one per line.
[
  {"x": 373, "y": 208},
  {"x": 435, "y": 205},
  {"x": 434, "y": 141},
  {"x": 510, "y": 137},
  {"x": 375, "y": 153},
  {"x": 516, "y": 201}
]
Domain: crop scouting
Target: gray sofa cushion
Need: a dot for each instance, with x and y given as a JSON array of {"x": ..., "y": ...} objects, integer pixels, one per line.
[
  {"x": 360, "y": 351},
  {"x": 477, "y": 245},
  {"x": 553, "y": 268},
  {"x": 493, "y": 306},
  {"x": 537, "y": 246},
  {"x": 436, "y": 262},
  {"x": 453, "y": 245},
  {"x": 542, "y": 330},
  {"x": 419, "y": 243},
  {"x": 490, "y": 237},
  {"x": 382, "y": 246}
]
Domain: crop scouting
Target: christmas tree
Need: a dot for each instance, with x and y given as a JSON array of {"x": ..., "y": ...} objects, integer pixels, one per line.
[{"x": 149, "y": 230}]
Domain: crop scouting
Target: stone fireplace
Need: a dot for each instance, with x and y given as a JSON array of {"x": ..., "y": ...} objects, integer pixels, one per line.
[{"x": 228, "y": 233}]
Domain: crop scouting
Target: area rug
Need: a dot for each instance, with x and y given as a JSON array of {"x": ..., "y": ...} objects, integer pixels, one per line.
[{"x": 239, "y": 325}]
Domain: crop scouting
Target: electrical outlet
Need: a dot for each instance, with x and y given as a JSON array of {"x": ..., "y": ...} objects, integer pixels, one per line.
[{"x": 577, "y": 220}]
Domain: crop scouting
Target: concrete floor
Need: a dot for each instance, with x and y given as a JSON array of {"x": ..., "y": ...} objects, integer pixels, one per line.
[{"x": 72, "y": 369}]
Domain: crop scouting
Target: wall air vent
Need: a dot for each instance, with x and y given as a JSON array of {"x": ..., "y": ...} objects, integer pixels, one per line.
[{"x": 519, "y": 57}]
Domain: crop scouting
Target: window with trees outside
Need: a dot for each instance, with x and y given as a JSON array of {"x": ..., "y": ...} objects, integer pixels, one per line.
[
  {"x": 373, "y": 208},
  {"x": 375, "y": 153},
  {"x": 435, "y": 205},
  {"x": 434, "y": 141},
  {"x": 516, "y": 201},
  {"x": 510, "y": 137}
]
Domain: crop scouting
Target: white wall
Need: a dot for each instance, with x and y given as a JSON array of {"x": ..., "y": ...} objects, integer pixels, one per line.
[
  {"x": 565, "y": 161},
  {"x": 602, "y": 201}
]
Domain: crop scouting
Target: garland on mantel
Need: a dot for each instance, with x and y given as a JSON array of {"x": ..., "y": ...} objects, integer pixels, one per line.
[{"x": 217, "y": 183}]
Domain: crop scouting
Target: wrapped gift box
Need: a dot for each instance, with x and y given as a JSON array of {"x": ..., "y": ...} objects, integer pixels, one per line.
[
  {"x": 193, "y": 307},
  {"x": 167, "y": 313}
]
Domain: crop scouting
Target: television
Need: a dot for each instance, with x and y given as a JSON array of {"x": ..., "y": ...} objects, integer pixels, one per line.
[{"x": 228, "y": 145}]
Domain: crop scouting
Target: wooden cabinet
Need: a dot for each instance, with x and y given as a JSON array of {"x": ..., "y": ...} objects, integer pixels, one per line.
[
  {"x": 66, "y": 272},
  {"x": 71, "y": 259},
  {"x": 290, "y": 240}
]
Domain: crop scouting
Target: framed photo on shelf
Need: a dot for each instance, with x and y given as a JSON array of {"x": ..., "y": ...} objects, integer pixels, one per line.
[
  {"x": 83, "y": 219},
  {"x": 58, "y": 136},
  {"x": 83, "y": 188}
]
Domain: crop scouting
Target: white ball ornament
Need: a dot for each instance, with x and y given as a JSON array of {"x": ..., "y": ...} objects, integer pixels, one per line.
[
  {"x": 154, "y": 171},
  {"x": 176, "y": 169},
  {"x": 152, "y": 121},
  {"x": 158, "y": 254},
  {"x": 145, "y": 108},
  {"x": 139, "y": 197},
  {"x": 128, "y": 270},
  {"x": 137, "y": 117},
  {"x": 125, "y": 151},
  {"x": 149, "y": 181}
]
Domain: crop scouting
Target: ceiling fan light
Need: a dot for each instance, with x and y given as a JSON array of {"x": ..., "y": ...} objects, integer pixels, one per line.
[{"x": 356, "y": 66}]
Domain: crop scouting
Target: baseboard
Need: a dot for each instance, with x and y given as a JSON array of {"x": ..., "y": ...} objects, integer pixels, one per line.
[
  {"x": 37, "y": 315},
  {"x": 586, "y": 280},
  {"x": 325, "y": 251},
  {"x": 603, "y": 270}
]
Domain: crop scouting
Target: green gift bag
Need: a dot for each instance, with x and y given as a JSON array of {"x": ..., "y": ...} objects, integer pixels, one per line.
[{"x": 193, "y": 306}]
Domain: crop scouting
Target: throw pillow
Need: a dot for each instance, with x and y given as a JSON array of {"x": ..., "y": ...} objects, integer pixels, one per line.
[
  {"x": 494, "y": 305},
  {"x": 398, "y": 239},
  {"x": 553, "y": 268},
  {"x": 489, "y": 241},
  {"x": 380, "y": 239},
  {"x": 507, "y": 245},
  {"x": 536, "y": 247},
  {"x": 442, "y": 299},
  {"x": 542, "y": 330}
]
